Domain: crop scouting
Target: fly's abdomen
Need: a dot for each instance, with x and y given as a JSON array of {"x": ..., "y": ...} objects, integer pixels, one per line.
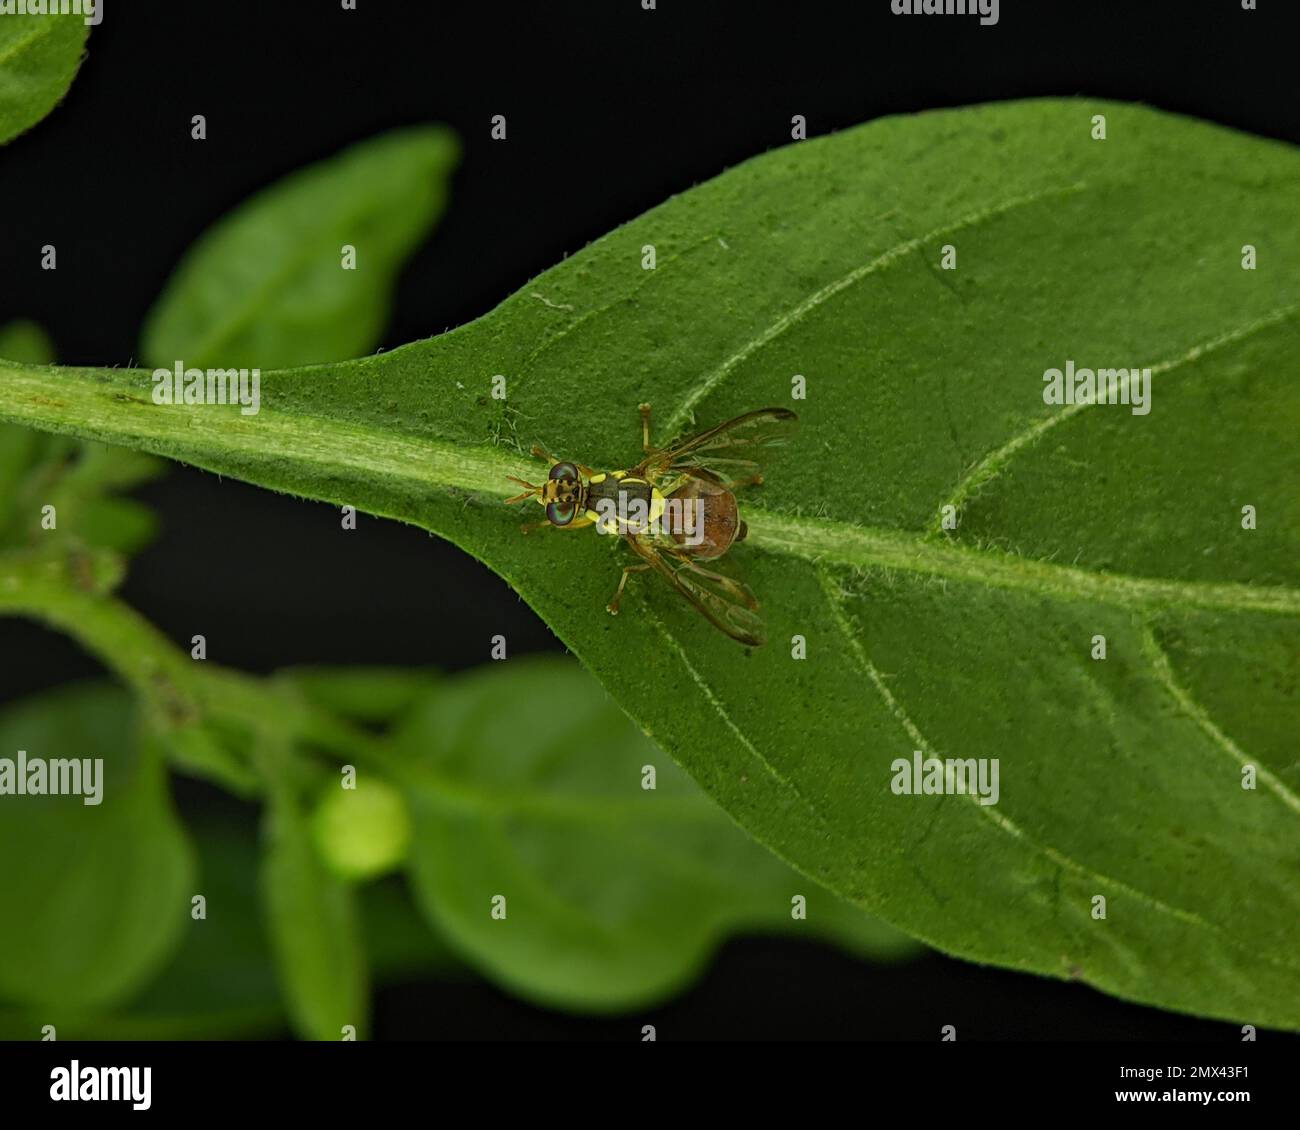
[{"x": 704, "y": 519}]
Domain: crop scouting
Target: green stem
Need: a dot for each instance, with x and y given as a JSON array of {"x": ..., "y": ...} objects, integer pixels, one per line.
[{"x": 187, "y": 700}]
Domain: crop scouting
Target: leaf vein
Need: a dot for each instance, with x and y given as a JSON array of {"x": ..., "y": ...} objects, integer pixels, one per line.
[
  {"x": 684, "y": 412},
  {"x": 1165, "y": 674},
  {"x": 996, "y": 461}
]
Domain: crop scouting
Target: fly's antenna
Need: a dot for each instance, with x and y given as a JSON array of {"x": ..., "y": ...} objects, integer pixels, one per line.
[{"x": 532, "y": 490}]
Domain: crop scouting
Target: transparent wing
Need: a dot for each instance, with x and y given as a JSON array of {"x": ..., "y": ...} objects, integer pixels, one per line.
[
  {"x": 734, "y": 449},
  {"x": 726, "y": 603}
]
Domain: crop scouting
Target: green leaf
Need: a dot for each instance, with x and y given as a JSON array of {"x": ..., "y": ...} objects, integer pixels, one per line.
[
  {"x": 266, "y": 286},
  {"x": 1120, "y": 778},
  {"x": 371, "y": 695},
  {"x": 220, "y": 983},
  {"x": 24, "y": 340},
  {"x": 526, "y": 783},
  {"x": 39, "y": 57},
  {"x": 94, "y": 896},
  {"x": 314, "y": 929},
  {"x": 400, "y": 944}
]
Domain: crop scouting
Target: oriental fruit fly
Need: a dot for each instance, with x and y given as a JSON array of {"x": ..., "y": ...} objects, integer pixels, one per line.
[{"x": 675, "y": 508}]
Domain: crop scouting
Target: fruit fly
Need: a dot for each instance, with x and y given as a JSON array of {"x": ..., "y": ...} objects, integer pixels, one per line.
[{"x": 675, "y": 509}]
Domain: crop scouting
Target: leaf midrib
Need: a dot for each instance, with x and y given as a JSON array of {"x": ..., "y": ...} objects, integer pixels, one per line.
[{"x": 202, "y": 436}]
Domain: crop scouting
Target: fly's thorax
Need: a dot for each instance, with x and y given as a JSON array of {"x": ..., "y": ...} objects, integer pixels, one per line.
[{"x": 620, "y": 503}]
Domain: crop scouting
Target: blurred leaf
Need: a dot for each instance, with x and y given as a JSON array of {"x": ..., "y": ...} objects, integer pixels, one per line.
[
  {"x": 94, "y": 896},
  {"x": 220, "y": 983},
  {"x": 400, "y": 944},
  {"x": 73, "y": 476},
  {"x": 21, "y": 447},
  {"x": 525, "y": 781},
  {"x": 315, "y": 933},
  {"x": 371, "y": 695},
  {"x": 265, "y": 287},
  {"x": 26, "y": 341},
  {"x": 39, "y": 57}
]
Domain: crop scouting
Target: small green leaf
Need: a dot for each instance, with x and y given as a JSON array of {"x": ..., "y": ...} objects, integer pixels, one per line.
[
  {"x": 39, "y": 57},
  {"x": 26, "y": 341},
  {"x": 371, "y": 695},
  {"x": 74, "y": 478},
  {"x": 94, "y": 897},
  {"x": 267, "y": 286},
  {"x": 526, "y": 784},
  {"x": 314, "y": 929}
]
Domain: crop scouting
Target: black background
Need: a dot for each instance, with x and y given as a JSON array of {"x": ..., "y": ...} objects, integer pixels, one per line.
[{"x": 611, "y": 109}]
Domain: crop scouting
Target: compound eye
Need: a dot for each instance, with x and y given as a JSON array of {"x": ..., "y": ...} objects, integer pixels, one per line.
[
  {"x": 564, "y": 471},
  {"x": 560, "y": 513}
]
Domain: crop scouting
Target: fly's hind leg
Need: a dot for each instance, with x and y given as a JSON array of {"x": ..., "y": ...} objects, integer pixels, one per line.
[{"x": 628, "y": 570}]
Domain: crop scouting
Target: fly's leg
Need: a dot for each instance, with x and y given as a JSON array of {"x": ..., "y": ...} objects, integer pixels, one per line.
[
  {"x": 576, "y": 524},
  {"x": 727, "y": 584},
  {"x": 644, "y": 409},
  {"x": 539, "y": 452},
  {"x": 628, "y": 570}
]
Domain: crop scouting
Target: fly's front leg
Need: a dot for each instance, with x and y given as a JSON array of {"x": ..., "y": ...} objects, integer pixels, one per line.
[
  {"x": 628, "y": 570},
  {"x": 539, "y": 452}
]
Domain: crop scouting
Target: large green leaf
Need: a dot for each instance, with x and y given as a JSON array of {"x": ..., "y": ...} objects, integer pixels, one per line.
[
  {"x": 267, "y": 285},
  {"x": 94, "y": 896},
  {"x": 526, "y": 782},
  {"x": 1119, "y": 777},
  {"x": 39, "y": 57}
]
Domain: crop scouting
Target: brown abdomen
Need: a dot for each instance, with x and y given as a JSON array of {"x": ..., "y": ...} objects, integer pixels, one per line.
[{"x": 719, "y": 523}]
